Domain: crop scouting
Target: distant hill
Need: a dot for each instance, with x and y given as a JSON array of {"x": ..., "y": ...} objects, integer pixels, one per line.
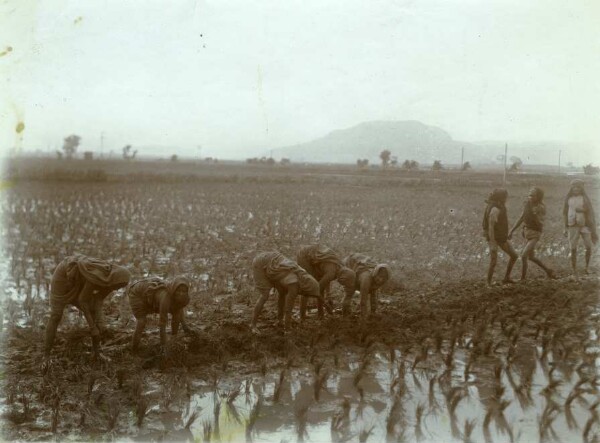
[{"x": 405, "y": 140}]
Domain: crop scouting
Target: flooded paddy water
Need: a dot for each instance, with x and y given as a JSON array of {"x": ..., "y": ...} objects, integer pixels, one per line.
[
  {"x": 445, "y": 359},
  {"x": 511, "y": 363}
]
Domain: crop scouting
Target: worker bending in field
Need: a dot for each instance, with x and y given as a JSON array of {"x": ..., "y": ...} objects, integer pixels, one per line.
[
  {"x": 83, "y": 282},
  {"x": 495, "y": 231},
  {"x": 325, "y": 265},
  {"x": 532, "y": 218},
  {"x": 370, "y": 276},
  {"x": 273, "y": 270},
  {"x": 580, "y": 221},
  {"x": 154, "y": 295}
]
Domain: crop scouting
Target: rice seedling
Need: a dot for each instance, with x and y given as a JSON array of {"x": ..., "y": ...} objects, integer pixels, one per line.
[
  {"x": 468, "y": 431},
  {"x": 421, "y": 357},
  {"x": 191, "y": 419},
  {"x": 112, "y": 414},
  {"x": 301, "y": 423},
  {"x": 364, "y": 434},
  {"x": 252, "y": 419},
  {"x": 216, "y": 417},
  {"x": 433, "y": 404},
  {"x": 278, "y": 387},
  {"x": 56, "y": 410},
  {"x": 420, "y": 409},
  {"x": 207, "y": 431},
  {"x": 141, "y": 409},
  {"x": 395, "y": 417},
  {"x": 320, "y": 384}
]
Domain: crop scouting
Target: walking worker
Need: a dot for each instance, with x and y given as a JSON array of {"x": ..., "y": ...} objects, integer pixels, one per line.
[
  {"x": 579, "y": 221},
  {"x": 369, "y": 276},
  {"x": 273, "y": 270},
  {"x": 325, "y": 265},
  {"x": 154, "y": 295},
  {"x": 83, "y": 282},
  {"x": 495, "y": 231},
  {"x": 532, "y": 218}
]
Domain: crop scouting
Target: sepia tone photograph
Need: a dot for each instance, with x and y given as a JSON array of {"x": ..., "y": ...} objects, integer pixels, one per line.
[{"x": 300, "y": 222}]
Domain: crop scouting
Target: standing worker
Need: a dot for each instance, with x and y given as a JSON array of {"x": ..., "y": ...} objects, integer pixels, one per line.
[
  {"x": 578, "y": 215},
  {"x": 532, "y": 218},
  {"x": 495, "y": 231}
]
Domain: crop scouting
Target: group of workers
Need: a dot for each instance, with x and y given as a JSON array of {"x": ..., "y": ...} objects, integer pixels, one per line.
[
  {"x": 85, "y": 282},
  {"x": 579, "y": 222}
]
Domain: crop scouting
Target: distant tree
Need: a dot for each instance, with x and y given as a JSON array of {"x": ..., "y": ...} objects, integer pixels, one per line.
[
  {"x": 127, "y": 154},
  {"x": 285, "y": 161},
  {"x": 362, "y": 163},
  {"x": 589, "y": 169},
  {"x": 394, "y": 161},
  {"x": 410, "y": 165},
  {"x": 466, "y": 166},
  {"x": 514, "y": 167},
  {"x": 174, "y": 158},
  {"x": 437, "y": 165},
  {"x": 59, "y": 155},
  {"x": 252, "y": 161},
  {"x": 270, "y": 161},
  {"x": 385, "y": 157},
  {"x": 70, "y": 145},
  {"x": 516, "y": 160},
  {"x": 88, "y": 155}
]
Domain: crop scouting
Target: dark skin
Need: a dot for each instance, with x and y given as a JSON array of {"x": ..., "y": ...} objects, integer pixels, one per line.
[
  {"x": 528, "y": 253},
  {"x": 89, "y": 301},
  {"x": 578, "y": 190},
  {"x": 329, "y": 273},
  {"x": 167, "y": 305},
  {"x": 368, "y": 286},
  {"x": 286, "y": 299},
  {"x": 494, "y": 245}
]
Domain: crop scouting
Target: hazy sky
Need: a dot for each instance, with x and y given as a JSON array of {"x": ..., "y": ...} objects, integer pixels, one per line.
[{"x": 241, "y": 77}]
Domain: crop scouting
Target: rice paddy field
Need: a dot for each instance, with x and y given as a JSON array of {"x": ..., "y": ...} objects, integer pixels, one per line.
[{"x": 445, "y": 358}]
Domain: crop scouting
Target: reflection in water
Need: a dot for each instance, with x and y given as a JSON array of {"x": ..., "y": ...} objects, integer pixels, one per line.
[{"x": 492, "y": 403}]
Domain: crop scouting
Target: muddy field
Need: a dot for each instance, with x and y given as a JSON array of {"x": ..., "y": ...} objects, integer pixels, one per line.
[{"x": 445, "y": 359}]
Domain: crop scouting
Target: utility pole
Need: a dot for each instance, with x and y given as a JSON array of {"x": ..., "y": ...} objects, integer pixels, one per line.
[
  {"x": 102, "y": 144},
  {"x": 559, "y": 152},
  {"x": 505, "y": 158}
]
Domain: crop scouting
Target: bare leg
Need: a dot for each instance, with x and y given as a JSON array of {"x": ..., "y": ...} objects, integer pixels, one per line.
[
  {"x": 289, "y": 306},
  {"x": 281, "y": 306},
  {"x": 303, "y": 302},
  {"x": 574, "y": 261},
  {"x": 175, "y": 322},
  {"x": 140, "y": 325},
  {"x": 373, "y": 300},
  {"x": 259, "y": 307},
  {"x": 53, "y": 322},
  {"x": 513, "y": 256},
  {"x": 492, "y": 267},
  {"x": 347, "y": 303},
  {"x": 588, "y": 257}
]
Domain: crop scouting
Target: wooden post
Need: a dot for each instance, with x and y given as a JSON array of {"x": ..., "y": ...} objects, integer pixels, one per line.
[
  {"x": 559, "y": 152},
  {"x": 505, "y": 159}
]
